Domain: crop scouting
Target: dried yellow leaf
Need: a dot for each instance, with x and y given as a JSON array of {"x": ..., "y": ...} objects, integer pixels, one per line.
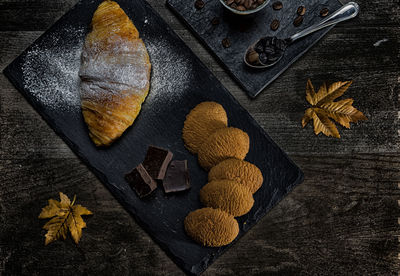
[
  {"x": 65, "y": 217},
  {"x": 324, "y": 108}
]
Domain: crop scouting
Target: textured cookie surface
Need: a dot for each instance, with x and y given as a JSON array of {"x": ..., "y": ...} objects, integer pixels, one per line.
[
  {"x": 227, "y": 195},
  {"x": 241, "y": 171},
  {"x": 201, "y": 122},
  {"x": 225, "y": 143},
  {"x": 211, "y": 227}
]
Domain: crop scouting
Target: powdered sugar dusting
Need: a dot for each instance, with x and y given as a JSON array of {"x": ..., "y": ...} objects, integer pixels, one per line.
[
  {"x": 121, "y": 68},
  {"x": 50, "y": 69},
  {"x": 171, "y": 73}
]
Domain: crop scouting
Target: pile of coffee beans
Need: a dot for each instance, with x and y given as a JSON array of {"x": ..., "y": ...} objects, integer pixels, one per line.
[
  {"x": 244, "y": 5},
  {"x": 266, "y": 51}
]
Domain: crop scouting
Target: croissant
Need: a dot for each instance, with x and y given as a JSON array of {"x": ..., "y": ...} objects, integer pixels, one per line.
[{"x": 115, "y": 74}]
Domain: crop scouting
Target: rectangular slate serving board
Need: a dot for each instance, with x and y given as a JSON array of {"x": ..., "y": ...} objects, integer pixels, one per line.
[
  {"x": 175, "y": 90},
  {"x": 242, "y": 31}
]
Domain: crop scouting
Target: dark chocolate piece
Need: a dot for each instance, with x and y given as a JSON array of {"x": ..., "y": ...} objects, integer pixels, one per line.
[
  {"x": 156, "y": 162},
  {"x": 141, "y": 181},
  {"x": 177, "y": 177}
]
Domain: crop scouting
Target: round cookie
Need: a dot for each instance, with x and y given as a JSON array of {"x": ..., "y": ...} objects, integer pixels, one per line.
[
  {"x": 201, "y": 122},
  {"x": 227, "y": 195},
  {"x": 223, "y": 144},
  {"x": 211, "y": 227},
  {"x": 241, "y": 171}
]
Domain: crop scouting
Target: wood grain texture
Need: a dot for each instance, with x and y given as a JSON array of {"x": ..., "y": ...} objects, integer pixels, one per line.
[{"x": 341, "y": 220}]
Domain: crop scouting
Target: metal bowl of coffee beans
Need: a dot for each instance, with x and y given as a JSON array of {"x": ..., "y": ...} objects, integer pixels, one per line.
[{"x": 244, "y": 7}]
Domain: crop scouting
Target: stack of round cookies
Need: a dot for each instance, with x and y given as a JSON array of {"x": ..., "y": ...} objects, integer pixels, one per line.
[{"x": 232, "y": 181}]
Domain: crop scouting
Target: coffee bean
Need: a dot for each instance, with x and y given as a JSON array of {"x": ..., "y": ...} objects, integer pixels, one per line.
[
  {"x": 252, "y": 57},
  {"x": 272, "y": 40},
  {"x": 247, "y": 4},
  {"x": 226, "y": 43},
  {"x": 241, "y": 8},
  {"x": 260, "y": 2},
  {"x": 229, "y": 2},
  {"x": 254, "y": 6},
  {"x": 237, "y": 2},
  {"x": 234, "y": 6},
  {"x": 199, "y": 4},
  {"x": 280, "y": 44},
  {"x": 324, "y": 12},
  {"x": 277, "y": 5},
  {"x": 273, "y": 57},
  {"x": 259, "y": 48},
  {"x": 263, "y": 58},
  {"x": 275, "y": 24},
  {"x": 215, "y": 21},
  {"x": 267, "y": 41},
  {"x": 241, "y": 2},
  {"x": 297, "y": 22},
  {"x": 269, "y": 50},
  {"x": 301, "y": 10}
]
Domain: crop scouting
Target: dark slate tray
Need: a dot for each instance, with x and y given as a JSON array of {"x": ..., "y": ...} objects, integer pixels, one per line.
[
  {"x": 175, "y": 90},
  {"x": 244, "y": 30}
]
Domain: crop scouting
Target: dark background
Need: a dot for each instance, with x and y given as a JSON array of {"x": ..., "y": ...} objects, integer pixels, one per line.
[{"x": 342, "y": 220}]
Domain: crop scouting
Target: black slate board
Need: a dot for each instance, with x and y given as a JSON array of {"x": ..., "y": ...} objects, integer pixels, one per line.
[
  {"x": 159, "y": 123},
  {"x": 242, "y": 31}
]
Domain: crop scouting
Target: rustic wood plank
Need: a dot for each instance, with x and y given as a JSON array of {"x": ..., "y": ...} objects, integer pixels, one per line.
[{"x": 341, "y": 220}]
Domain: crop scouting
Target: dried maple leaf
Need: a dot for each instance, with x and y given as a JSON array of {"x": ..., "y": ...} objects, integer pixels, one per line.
[
  {"x": 65, "y": 216},
  {"x": 324, "y": 108}
]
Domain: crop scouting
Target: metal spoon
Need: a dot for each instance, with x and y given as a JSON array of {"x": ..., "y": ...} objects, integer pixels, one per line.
[{"x": 278, "y": 46}]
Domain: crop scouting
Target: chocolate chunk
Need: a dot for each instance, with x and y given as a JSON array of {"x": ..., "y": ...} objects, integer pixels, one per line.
[
  {"x": 141, "y": 181},
  {"x": 156, "y": 162},
  {"x": 177, "y": 177}
]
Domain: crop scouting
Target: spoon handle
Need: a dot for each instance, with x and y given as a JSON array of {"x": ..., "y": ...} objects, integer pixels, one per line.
[{"x": 348, "y": 11}]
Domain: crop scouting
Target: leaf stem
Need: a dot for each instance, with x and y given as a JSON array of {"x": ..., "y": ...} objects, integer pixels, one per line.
[{"x": 73, "y": 201}]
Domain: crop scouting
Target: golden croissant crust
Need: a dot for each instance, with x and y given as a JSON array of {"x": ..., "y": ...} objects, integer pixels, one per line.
[{"x": 115, "y": 74}]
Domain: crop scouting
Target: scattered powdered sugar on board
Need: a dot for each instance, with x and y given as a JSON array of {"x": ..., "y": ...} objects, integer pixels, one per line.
[
  {"x": 50, "y": 69},
  {"x": 171, "y": 73}
]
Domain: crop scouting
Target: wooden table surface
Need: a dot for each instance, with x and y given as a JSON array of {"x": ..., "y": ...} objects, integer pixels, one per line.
[{"x": 342, "y": 220}]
